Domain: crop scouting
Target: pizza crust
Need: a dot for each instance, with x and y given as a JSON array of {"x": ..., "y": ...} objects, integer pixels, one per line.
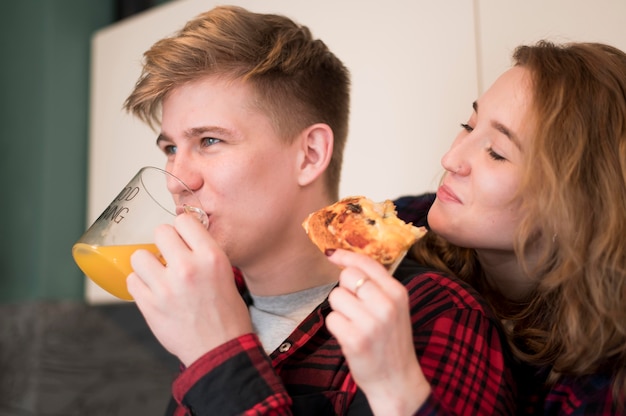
[{"x": 358, "y": 224}]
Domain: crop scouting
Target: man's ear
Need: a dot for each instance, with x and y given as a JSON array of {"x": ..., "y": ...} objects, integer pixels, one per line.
[{"x": 316, "y": 150}]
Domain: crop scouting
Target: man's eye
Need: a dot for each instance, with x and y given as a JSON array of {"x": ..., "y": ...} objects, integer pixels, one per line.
[
  {"x": 494, "y": 155},
  {"x": 209, "y": 141},
  {"x": 169, "y": 150},
  {"x": 467, "y": 127}
]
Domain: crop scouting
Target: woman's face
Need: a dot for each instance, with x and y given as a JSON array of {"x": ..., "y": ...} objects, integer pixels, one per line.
[{"x": 475, "y": 205}]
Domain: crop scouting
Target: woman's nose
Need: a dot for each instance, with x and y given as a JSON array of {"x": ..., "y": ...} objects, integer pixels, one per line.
[{"x": 455, "y": 159}]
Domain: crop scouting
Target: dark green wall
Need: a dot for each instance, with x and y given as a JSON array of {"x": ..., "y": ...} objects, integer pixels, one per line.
[
  {"x": 44, "y": 110},
  {"x": 44, "y": 84},
  {"x": 44, "y": 116}
]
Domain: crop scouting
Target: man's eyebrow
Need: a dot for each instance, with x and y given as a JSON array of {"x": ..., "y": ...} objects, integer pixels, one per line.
[
  {"x": 199, "y": 131},
  {"x": 501, "y": 128},
  {"x": 161, "y": 138}
]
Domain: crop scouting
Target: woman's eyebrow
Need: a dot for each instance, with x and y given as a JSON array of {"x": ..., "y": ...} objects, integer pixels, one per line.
[
  {"x": 507, "y": 132},
  {"x": 501, "y": 128}
]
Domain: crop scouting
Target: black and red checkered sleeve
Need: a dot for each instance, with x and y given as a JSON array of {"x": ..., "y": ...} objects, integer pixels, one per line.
[{"x": 242, "y": 374}]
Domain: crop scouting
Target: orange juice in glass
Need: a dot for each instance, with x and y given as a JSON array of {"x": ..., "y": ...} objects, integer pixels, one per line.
[
  {"x": 108, "y": 266},
  {"x": 152, "y": 197}
]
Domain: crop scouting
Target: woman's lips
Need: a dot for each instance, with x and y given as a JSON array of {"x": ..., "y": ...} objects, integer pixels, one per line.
[{"x": 445, "y": 194}]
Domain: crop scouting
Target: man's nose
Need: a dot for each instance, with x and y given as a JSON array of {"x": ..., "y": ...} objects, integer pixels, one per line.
[{"x": 189, "y": 178}]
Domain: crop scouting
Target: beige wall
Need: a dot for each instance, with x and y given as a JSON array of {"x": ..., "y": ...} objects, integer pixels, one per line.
[
  {"x": 413, "y": 70},
  {"x": 416, "y": 67},
  {"x": 504, "y": 24}
]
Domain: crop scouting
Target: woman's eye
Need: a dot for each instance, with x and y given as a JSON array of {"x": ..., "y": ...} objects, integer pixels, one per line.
[
  {"x": 209, "y": 141},
  {"x": 467, "y": 127},
  {"x": 494, "y": 155}
]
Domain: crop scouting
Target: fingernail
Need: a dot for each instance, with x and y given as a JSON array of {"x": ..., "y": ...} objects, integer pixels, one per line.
[{"x": 329, "y": 251}]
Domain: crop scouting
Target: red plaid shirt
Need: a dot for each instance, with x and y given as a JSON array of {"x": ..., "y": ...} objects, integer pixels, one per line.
[
  {"x": 457, "y": 340},
  {"x": 571, "y": 395}
]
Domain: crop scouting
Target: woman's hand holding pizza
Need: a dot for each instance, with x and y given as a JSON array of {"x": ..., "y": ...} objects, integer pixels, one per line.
[{"x": 371, "y": 321}]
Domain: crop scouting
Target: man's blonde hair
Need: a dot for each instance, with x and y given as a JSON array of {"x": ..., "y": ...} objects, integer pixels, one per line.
[{"x": 297, "y": 80}]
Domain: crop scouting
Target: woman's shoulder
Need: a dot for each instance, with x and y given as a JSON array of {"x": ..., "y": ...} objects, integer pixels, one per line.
[
  {"x": 590, "y": 394},
  {"x": 428, "y": 285},
  {"x": 414, "y": 208}
]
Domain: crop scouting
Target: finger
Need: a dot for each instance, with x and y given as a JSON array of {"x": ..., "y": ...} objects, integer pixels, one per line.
[
  {"x": 142, "y": 295},
  {"x": 371, "y": 268},
  {"x": 356, "y": 329},
  {"x": 145, "y": 265},
  {"x": 201, "y": 244},
  {"x": 352, "y": 278},
  {"x": 363, "y": 286},
  {"x": 136, "y": 287},
  {"x": 366, "y": 315},
  {"x": 343, "y": 301},
  {"x": 347, "y": 334},
  {"x": 381, "y": 308},
  {"x": 364, "y": 297},
  {"x": 353, "y": 317},
  {"x": 193, "y": 233},
  {"x": 177, "y": 242}
]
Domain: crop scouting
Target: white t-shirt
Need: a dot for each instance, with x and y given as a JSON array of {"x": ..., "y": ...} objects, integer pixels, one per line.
[{"x": 275, "y": 317}]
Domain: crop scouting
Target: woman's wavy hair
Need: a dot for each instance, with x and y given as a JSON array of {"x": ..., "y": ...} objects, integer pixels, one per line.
[
  {"x": 573, "y": 195},
  {"x": 298, "y": 81}
]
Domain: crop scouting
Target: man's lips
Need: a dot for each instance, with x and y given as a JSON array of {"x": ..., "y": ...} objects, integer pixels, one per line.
[
  {"x": 182, "y": 208},
  {"x": 445, "y": 194},
  {"x": 202, "y": 216}
]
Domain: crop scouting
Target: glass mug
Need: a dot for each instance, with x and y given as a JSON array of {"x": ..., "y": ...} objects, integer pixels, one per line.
[{"x": 151, "y": 198}]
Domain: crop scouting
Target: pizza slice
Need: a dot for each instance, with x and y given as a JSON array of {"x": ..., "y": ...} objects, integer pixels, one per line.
[{"x": 358, "y": 224}]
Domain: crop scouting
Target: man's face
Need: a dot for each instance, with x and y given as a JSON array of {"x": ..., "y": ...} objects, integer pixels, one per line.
[{"x": 227, "y": 151}]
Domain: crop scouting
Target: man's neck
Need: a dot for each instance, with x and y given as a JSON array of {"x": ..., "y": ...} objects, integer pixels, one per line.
[{"x": 297, "y": 268}]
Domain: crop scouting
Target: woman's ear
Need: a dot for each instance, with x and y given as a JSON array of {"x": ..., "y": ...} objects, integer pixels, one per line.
[{"x": 315, "y": 152}]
